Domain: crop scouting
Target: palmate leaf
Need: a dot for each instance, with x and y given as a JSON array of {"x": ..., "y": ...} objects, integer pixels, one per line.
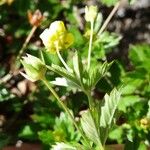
[
  {"x": 109, "y": 108},
  {"x": 97, "y": 73},
  {"x": 88, "y": 126}
]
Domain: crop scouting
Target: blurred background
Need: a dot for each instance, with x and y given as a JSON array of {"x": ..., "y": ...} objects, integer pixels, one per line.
[{"x": 29, "y": 113}]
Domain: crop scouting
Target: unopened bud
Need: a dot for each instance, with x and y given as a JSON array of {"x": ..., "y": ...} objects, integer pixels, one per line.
[
  {"x": 35, "y": 18},
  {"x": 90, "y": 13},
  {"x": 34, "y": 68}
]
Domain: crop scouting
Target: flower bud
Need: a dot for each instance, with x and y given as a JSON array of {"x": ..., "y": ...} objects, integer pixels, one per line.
[
  {"x": 34, "y": 68},
  {"x": 36, "y": 18},
  {"x": 90, "y": 13},
  {"x": 56, "y": 36}
]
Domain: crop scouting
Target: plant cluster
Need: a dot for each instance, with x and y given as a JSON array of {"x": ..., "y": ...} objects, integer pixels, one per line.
[{"x": 84, "y": 101}]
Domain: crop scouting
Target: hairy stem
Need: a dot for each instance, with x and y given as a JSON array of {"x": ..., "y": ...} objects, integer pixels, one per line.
[{"x": 65, "y": 109}]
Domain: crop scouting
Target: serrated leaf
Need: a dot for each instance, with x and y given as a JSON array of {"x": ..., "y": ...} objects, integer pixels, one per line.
[
  {"x": 64, "y": 73},
  {"x": 97, "y": 73},
  {"x": 46, "y": 136},
  {"x": 139, "y": 55},
  {"x": 109, "y": 108},
  {"x": 89, "y": 127}
]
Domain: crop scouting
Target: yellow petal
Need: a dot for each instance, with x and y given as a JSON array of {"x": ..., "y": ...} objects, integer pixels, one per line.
[
  {"x": 57, "y": 26},
  {"x": 69, "y": 39}
]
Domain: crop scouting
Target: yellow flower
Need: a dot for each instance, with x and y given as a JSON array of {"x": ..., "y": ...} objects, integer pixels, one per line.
[
  {"x": 145, "y": 123},
  {"x": 56, "y": 36},
  {"x": 90, "y": 13}
]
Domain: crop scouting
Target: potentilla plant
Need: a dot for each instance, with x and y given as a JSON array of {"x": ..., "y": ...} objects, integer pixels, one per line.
[{"x": 96, "y": 121}]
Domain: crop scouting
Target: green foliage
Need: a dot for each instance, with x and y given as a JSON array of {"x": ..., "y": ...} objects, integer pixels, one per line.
[
  {"x": 32, "y": 115},
  {"x": 63, "y": 131},
  {"x": 88, "y": 126},
  {"x": 109, "y": 108},
  {"x": 98, "y": 133},
  {"x": 135, "y": 100},
  {"x": 27, "y": 132},
  {"x": 5, "y": 94},
  {"x": 140, "y": 55},
  {"x": 109, "y": 2},
  {"x": 109, "y": 40},
  {"x": 4, "y": 140}
]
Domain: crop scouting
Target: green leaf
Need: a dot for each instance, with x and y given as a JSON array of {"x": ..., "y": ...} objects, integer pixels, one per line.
[
  {"x": 77, "y": 66},
  {"x": 109, "y": 40},
  {"x": 64, "y": 129},
  {"x": 46, "y": 136},
  {"x": 79, "y": 39},
  {"x": 64, "y": 73},
  {"x": 131, "y": 85},
  {"x": 5, "y": 94},
  {"x": 139, "y": 55},
  {"x": 98, "y": 22},
  {"x": 109, "y": 2},
  {"x": 89, "y": 127},
  {"x": 109, "y": 108},
  {"x": 127, "y": 101},
  {"x": 116, "y": 134},
  {"x": 142, "y": 146},
  {"x": 63, "y": 146},
  {"x": 97, "y": 73},
  {"x": 27, "y": 132}
]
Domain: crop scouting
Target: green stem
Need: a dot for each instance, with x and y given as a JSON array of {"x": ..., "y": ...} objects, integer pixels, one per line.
[
  {"x": 61, "y": 59},
  {"x": 91, "y": 105},
  {"x": 90, "y": 45},
  {"x": 65, "y": 109}
]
